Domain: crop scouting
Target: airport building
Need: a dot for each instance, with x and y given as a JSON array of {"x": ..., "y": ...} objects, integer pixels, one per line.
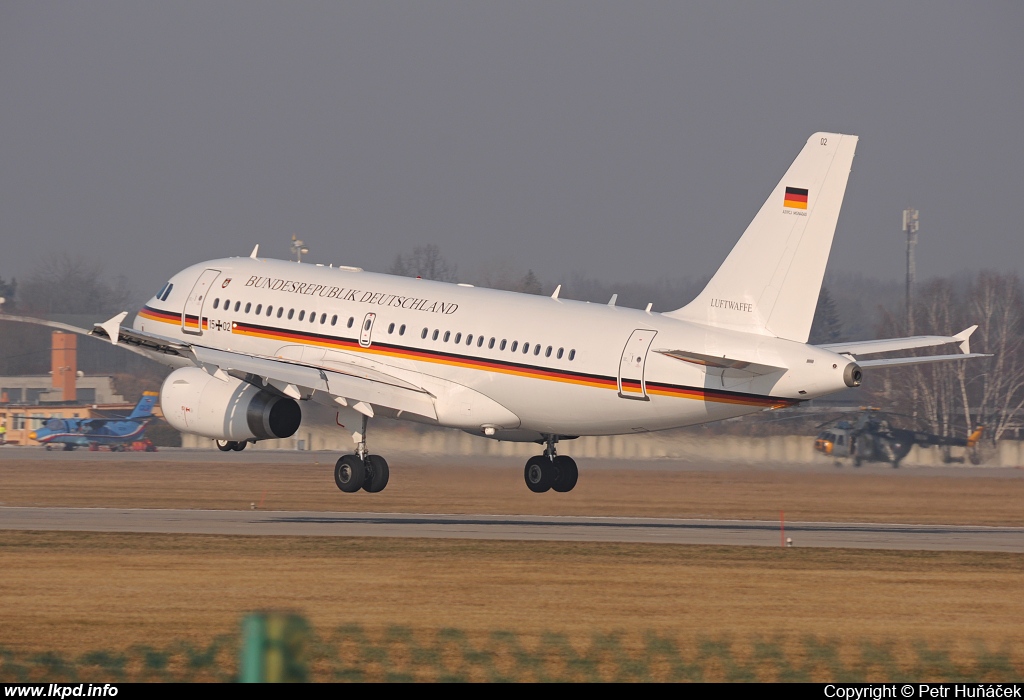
[{"x": 26, "y": 402}]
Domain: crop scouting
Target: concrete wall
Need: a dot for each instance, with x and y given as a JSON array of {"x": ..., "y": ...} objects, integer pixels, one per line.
[{"x": 787, "y": 449}]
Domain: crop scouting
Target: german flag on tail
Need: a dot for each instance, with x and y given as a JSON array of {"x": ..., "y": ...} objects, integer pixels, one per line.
[{"x": 796, "y": 198}]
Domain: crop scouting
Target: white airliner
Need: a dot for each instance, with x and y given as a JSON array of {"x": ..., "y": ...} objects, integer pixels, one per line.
[{"x": 263, "y": 345}]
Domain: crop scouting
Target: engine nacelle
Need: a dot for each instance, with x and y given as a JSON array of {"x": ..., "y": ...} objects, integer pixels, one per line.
[{"x": 196, "y": 402}]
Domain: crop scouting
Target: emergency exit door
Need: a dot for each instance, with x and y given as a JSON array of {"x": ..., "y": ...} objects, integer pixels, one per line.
[{"x": 631, "y": 365}]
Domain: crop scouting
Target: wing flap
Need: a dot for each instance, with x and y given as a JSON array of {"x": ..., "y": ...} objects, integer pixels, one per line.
[{"x": 284, "y": 374}]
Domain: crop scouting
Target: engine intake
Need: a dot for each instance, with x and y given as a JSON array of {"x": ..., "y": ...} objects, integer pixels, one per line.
[{"x": 195, "y": 402}]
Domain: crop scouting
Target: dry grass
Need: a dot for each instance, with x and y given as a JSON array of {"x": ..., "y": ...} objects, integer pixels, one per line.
[
  {"x": 74, "y": 592},
  {"x": 825, "y": 494},
  {"x": 78, "y": 591}
]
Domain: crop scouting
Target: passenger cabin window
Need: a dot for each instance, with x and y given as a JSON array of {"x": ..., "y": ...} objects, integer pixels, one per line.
[
  {"x": 216, "y": 303},
  {"x": 536, "y": 349},
  {"x": 447, "y": 334},
  {"x": 547, "y": 353},
  {"x": 502, "y": 346},
  {"x": 351, "y": 320},
  {"x": 469, "y": 339},
  {"x": 280, "y": 311},
  {"x": 312, "y": 316},
  {"x": 401, "y": 330},
  {"x": 480, "y": 342},
  {"x": 572, "y": 355},
  {"x": 334, "y": 320},
  {"x": 323, "y": 319},
  {"x": 424, "y": 334},
  {"x": 302, "y": 314},
  {"x": 490, "y": 344},
  {"x": 515, "y": 344},
  {"x": 248, "y": 305},
  {"x": 391, "y": 329},
  {"x": 237, "y": 305},
  {"x": 291, "y": 312},
  {"x": 227, "y": 304},
  {"x": 526, "y": 348},
  {"x": 434, "y": 337},
  {"x": 270, "y": 310},
  {"x": 259, "y": 309},
  {"x": 458, "y": 338},
  {"x": 559, "y": 354}
]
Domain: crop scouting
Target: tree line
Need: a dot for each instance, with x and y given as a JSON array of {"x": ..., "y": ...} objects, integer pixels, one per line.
[{"x": 950, "y": 398}]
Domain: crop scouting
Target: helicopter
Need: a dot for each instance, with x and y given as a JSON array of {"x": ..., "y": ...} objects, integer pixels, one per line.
[{"x": 871, "y": 437}]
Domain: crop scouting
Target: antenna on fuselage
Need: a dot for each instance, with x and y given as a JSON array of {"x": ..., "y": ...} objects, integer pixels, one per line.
[
  {"x": 615, "y": 298},
  {"x": 255, "y": 251},
  {"x": 554, "y": 294}
]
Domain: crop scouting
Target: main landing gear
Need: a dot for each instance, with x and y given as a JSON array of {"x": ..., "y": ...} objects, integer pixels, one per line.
[
  {"x": 361, "y": 470},
  {"x": 229, "y": 445},
  {"x": 551, "y": 471}
]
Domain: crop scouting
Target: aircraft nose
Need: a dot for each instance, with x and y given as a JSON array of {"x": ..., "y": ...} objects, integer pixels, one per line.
[{"x": 32, "y": 435}]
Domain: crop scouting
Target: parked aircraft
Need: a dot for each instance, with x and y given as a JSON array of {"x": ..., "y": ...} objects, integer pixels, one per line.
[
  {"x": 93, "y": 432},
  {"x": 262, "y": 345},
  {"x": 873, "y": 436}
]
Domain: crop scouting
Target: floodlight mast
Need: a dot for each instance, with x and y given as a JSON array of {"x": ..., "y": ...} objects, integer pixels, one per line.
[
  {"x": 298, "y": 248},
  {"x": 910, "y": 226}
]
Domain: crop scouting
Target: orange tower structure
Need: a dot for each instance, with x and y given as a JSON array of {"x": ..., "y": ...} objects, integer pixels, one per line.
[{"x": 64, "y": 364}]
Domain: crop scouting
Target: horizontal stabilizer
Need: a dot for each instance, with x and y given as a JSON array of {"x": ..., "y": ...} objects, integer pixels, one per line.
[
  {"x": 871, "y": 347},
  {"x": 720, "y": 362},
  {"x": 896, "y": 361}
]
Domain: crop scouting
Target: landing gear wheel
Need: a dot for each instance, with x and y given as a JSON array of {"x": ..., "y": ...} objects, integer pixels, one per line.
[
  {"x": 377, "y": 476},
  {"x": 225, "y": 445},
  {"x": 350, "y": 473},
  {"x": 566, "y": 474},
  {"x": 239, "y": 446},
  {"x": 539, "y": 474},
  {"x": 68, "y": 447}
]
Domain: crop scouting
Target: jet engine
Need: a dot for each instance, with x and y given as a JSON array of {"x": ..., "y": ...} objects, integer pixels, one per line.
[{"x": 196, "y": 402}]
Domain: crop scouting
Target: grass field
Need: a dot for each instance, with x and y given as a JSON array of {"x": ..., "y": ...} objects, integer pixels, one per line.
[{"x": 78, "y": 591}]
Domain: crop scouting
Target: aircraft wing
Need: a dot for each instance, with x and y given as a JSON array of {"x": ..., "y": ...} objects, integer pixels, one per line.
[{"x": 343, "y": 384}]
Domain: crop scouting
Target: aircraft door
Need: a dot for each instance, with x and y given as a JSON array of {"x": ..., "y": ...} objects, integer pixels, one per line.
[
  {"x": 366, "y": 330},
  {"x": 631, "y": 365},
  {"x": 192, "y": 313}
]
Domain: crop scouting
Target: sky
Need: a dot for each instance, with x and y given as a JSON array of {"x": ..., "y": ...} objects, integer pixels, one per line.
[{"x": 630, "y": 141}]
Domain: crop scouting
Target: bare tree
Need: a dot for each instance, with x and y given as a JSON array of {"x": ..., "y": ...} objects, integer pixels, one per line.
[
  {"x": 66, "y": 284},
  {"x": 426, "y": 262}
]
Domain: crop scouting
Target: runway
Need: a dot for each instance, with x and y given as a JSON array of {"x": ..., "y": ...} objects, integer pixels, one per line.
[{"x": 520, "y": 528}]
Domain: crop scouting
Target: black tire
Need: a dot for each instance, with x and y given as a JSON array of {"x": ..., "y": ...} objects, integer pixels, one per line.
[
  {"x": 225, "y": 445},
  {"x": 350, "y": 473},
  {"x": 68, "y": 447},
  {"x": 566, "y": 474},
  {"x": 377, "y": 478},
  {"x": 239, "y": 446},
  {"x": 538, "y": 474}
]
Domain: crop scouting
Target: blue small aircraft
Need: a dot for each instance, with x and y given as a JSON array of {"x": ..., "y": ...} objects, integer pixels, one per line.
[{"x": 93, "y": 432}]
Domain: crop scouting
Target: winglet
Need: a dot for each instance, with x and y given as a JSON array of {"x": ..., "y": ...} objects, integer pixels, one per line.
[
  {"x": 255, "y": 251},
  {"x": 964, "y": 338},
  {"x": 113, "y": 327}
]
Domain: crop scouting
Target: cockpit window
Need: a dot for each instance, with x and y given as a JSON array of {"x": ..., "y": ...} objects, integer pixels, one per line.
[
  {"x": 55, "y": 424},
  {"x": 165, "y": 291}
]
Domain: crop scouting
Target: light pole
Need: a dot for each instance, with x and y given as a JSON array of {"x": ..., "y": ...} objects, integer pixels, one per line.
[
  {"x": 298, "y": 248},
  {"x": 910, "y": 226}
]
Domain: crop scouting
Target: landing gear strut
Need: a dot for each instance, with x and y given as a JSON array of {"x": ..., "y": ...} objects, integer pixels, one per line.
[
  {"x": 551, "y": 471},
  {"x": 361, "y": 470}
]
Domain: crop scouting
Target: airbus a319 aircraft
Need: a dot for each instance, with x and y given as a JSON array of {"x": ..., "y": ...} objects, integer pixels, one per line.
[{"x": 262, "y": 346}]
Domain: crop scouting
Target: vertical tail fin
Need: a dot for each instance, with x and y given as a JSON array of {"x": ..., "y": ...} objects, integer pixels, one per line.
[
  {"x": 144, "y": 408},
  {"x": 770, "y": 282}
]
